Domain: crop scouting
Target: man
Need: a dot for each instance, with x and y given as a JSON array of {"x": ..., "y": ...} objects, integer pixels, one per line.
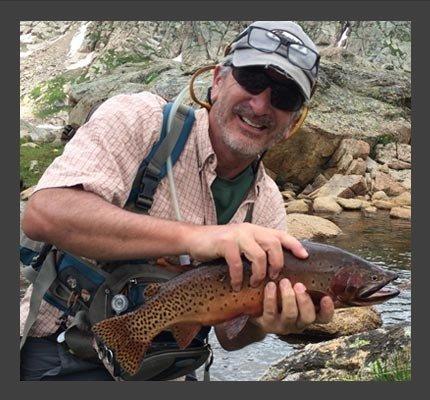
[{"x": 257, "y": 96}]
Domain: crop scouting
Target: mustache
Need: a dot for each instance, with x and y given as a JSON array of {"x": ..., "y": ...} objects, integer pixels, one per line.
[{"x": 244, "y": 110}]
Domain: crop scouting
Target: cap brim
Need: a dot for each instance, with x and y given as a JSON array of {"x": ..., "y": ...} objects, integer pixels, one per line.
[{"x": 248, "y": 57}]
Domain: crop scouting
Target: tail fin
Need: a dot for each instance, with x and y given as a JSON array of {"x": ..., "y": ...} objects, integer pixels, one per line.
[{"x": 114, "y": 333}]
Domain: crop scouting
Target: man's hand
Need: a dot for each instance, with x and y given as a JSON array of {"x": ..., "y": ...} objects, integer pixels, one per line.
[
  {"x": 261, "y": 246},
  {"x": 297, "y": 310}
]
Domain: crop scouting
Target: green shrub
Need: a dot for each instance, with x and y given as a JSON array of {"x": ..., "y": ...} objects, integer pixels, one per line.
[{"x": 44, "y": 154}]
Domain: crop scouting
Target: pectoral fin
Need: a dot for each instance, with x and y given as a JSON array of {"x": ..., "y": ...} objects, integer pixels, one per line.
[
  {"x": 233, "y": 327},
  {"x": 184, "y": 333}
]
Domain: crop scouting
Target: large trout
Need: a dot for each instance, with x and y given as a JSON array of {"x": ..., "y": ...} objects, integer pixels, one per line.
[{"x": 204, "y": 296}]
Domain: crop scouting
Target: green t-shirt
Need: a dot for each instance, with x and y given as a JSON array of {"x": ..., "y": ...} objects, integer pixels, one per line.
[{"x": 228, "y": 194}]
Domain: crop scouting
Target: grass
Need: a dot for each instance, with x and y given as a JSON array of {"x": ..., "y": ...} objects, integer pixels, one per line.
[
  {"x": 112, "y": 59},
  {"x": 49, "y": 97},
  {"x": 44, "y": 154},
  {"x": 397, "y": 369}
]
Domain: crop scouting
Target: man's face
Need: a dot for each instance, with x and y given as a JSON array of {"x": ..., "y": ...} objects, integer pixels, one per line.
[{"x": 244, "y": 123}]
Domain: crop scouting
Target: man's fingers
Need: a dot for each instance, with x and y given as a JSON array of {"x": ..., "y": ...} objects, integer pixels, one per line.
[
  {"x": 275, "y": 258},
  {"x": 289, "y": 304},
  {"x": 305, "y": 305},
  {"x": 326, "y": 312},
  {"x": 235, "y": 265},
  {"x": 291, "y": 243},
  {"x": 270, "y": 305},
  {"x": 258, "y": 258}
]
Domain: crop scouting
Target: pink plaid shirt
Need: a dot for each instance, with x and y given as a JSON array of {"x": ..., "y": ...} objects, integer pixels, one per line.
[{"x": 105, "y": 154}]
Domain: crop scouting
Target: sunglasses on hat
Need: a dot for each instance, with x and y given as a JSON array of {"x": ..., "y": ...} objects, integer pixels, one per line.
[{"x": 285, "y": 95}]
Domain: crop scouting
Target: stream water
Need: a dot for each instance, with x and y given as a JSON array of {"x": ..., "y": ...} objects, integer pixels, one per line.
[{"x": 385, "y": 241}]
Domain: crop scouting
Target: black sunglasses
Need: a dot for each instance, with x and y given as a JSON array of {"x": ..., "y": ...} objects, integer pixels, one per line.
[{"x": 285, "y": 95}]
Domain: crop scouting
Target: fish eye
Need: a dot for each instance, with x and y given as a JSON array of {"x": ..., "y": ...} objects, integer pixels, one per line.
[{"x": 374, "y": 278}]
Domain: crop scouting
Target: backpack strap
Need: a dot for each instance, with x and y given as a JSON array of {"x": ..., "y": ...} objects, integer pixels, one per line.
[
  {"x": 44, "y": 279},
  {"x": 153, "y": 168}
]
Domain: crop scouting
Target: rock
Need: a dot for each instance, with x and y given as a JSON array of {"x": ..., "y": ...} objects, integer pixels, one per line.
[
  {"x": 350, "y": 357},
  {"x": 311, "y": 227},
  {"x": 398, "y": 164},
  {"x": 270, "y": 173},
  {"x": 344, "y": 163},
  {"x": 384, "y": 168},
  {"x": 392, "y": 153},
  {"x": 355, "y": 148},
  {"x": 301, "y": 158},
  {"x": 357, "y": 167},
  {"x": 326, "y": 204},
  {"x": 383, "y": 204},
  {"x": 346, "y": 321},
  {"x": 369, "y": 211},
  {"x": 25, "y": 194},
  {"x": 379, "y": 195},
  {"x": 297, "y": 206},
  {"x": 404, "y": 152},
  {"x": 371, "y": 164},
  {"x": 400, "y": 213},
  {"x": 384, "y": 153},
  {"x": 402, "y": 176},
  {"x": 288, "y": 195},
  {"x": 350, "y": 204},
  {"x": 30, "y": 144},
  {"x": 319, "y": 181},
  {"x": 386, "y": 183},
  {"x": 403, "y": 199},
  {"x": 342, "y": 186},
  {"x": 33, "y": 165},
  {"x": 39, "y": 134}
]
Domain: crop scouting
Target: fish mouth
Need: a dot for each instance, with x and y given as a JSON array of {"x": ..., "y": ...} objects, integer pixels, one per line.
[{"x": 376, "y": 293}]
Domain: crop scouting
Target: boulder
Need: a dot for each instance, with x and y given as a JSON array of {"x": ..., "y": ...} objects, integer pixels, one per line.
[
  {"x": 301, "y": 158},
  {"x": 369, "y": 211},
  {"x": 355, "y": 148},
  {"x": 342, "y": 186},
  {"x": 385, "y": 153},
  {"x": 30, "y": 144},
  {"x": 326, "y": 204},
  {"x": 399, "y": 164},
  {"x": 346, "y": 321},
  {"x": 288, "y": 195},
  {"x": 402, "y": 176},
  {"x": 403, "y": 199},
  {"x": 297, "y": 206},
  {"x": 404, "y": 152},
  {"x": 346, "y": 358},
  {"x": 371, "y": 164},
  {"x": 304, "y": 226},
  {"x": 383, "y": 168},
  {"x": 386, "y": 183},
  {"x": 344, "y": 163},
  {"x": 379, "y": 195},
  {"x": 350, "y": 204},
  {"x": 357, "y": 167},
  {"x": 383, "y": 204},
  {"x": 400, "y": 213}
]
